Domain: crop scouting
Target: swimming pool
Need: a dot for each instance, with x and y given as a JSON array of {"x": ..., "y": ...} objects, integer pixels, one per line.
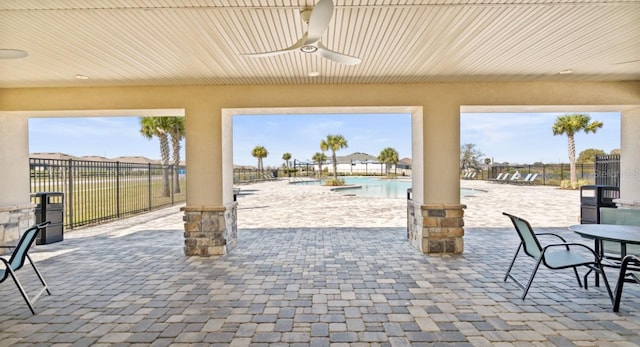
[{"x": 374, "y": 186}]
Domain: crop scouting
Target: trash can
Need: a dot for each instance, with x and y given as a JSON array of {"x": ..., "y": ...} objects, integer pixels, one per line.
[
  {"x": 49, "y": 207},
  {"x": 592, "y": 198}
]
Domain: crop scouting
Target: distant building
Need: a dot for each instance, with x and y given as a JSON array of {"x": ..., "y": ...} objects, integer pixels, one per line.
[{"x": 365, "y": 164}]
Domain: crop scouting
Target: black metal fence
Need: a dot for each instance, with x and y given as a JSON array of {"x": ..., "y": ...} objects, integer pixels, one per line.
[
  {"x": 608, "y": 170},
  {"x": 547, "y": 174},
  {"x": 249, "y": 174},
  {"x": 97, "y": 191}
]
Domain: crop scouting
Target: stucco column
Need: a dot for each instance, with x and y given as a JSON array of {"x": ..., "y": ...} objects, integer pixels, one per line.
[
  {"x": 16, "y": 209},
  {"x": 629, "y": 159},
  {"x": 210, "y": 222},
  {"x": 435, "y": 215}
]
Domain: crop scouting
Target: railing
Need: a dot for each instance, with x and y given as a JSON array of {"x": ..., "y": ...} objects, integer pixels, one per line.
[{"x": 97, "y": 191}]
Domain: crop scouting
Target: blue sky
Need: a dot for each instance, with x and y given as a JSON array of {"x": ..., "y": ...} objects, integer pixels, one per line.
[{"x": 508, "y": 137}]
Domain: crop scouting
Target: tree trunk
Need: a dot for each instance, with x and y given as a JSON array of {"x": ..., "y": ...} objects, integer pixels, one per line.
[
  {"x": 164, "y": 154},
  {"x": 335, "y": 165},
  {"x": 175, "y": 144},
  {"x": 572, "y": 159}
]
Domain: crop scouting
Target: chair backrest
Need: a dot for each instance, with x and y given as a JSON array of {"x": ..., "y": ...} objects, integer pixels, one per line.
[
  {"x": 500, "y": 176},
  {"x": 533, "y": 177},
  {"x": 527, "y": 177},
  {"x": 529, "y": 240},
  {"x": 20, "y": 251}
]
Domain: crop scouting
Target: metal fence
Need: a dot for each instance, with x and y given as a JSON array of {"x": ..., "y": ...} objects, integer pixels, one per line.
[
  {"x": 97, "y": 191},
  {"x": 608, "y": 170},
  {"x": 547, "y": 174}
]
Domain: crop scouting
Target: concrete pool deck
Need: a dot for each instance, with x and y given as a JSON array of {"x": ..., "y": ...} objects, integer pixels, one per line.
[{"x": 315, "y": 268}]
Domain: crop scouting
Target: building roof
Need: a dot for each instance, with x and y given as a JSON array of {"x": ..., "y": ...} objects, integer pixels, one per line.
[{"x": 356, "y": 157}]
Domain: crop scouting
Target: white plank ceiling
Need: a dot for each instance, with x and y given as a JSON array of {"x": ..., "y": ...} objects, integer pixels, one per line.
[{"x": 200, "y": 42}]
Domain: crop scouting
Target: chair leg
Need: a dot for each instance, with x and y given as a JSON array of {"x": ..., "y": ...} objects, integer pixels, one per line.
[
  {"x": 533, "y": 274},
  {"x": 621, "y": 280},
  {"x": 575, "y": 270},
  {"x": 21, "y": 289},
  {"x": 512, "y": 262},
  {"x": 46, "y": 287},
  {"x": 606, "y": 282}
]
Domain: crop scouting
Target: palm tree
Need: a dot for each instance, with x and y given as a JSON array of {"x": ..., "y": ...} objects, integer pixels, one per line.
[
  {"x": 334, "y": 143},
  {"x": 319, "y": 158},
  {"x": 388, "y": 156},
  {"x": 176, "y": 132},
  {"x": 286, "y": 157},
  {"x": 157, "y": 126},
  {"x": 259, "y": 152},
  {"x": 570, "y": 124}
]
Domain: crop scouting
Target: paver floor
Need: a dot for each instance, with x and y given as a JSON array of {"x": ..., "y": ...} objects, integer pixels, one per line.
[{"x": 128, "y": 283}]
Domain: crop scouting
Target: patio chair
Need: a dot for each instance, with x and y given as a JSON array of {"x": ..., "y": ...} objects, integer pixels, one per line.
[
  {"x": 625, "y": 277},
  {"x": 555, "y": 256},
  {"x": 16, "y": 261}
]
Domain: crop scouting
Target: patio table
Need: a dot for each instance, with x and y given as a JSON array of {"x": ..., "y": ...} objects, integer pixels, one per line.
[{"x": 622, "y": 234}]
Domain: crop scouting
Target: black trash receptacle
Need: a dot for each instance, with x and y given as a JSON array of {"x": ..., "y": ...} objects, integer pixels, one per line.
[
  {"x": 49, "y": 207},
  {"x": 592, "y": 198}
]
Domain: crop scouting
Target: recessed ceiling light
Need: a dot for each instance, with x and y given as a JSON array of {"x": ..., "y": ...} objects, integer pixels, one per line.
[
  {"x": 12, "y": 54},
  {"x": 313, "y": 74},
  {"x": 82, "y": 77},
  {"x": 565, "y": 72}
]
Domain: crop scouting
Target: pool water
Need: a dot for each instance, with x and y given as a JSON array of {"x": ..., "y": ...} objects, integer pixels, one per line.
[{"x": 386, "y": 188}]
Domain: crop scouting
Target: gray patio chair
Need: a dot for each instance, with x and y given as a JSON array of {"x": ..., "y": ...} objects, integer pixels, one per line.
[
  {"x": 16, "y": 261},
  {"x": 625, "y": 277},
  {"x": 555, "y": 256}
]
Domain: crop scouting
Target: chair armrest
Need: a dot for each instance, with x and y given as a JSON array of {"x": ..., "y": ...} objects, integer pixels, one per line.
[{"x": 551, "y": 234}]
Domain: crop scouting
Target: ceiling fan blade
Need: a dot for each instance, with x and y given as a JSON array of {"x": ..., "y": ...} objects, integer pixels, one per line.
[
  {"x": 627, "y": 62},
  {"x": 293, "y": 47},
  {"x": 337, "y": 57},
  {"x": 319, "y": 20}
]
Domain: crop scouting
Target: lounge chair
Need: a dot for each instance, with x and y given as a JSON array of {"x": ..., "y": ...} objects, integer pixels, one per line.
[
  {"x": 555, "y": 256},
  {"x": 16, "y": 261},
  {"x": 500, "y": 176},
  {"x": 625, "y": 276}
]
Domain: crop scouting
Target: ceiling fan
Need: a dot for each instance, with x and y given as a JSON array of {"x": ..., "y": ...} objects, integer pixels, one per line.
[{"x": 318, "y": 20}]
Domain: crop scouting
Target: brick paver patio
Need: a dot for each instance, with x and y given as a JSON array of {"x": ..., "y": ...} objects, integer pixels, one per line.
[{"x": 129, "y": 284}]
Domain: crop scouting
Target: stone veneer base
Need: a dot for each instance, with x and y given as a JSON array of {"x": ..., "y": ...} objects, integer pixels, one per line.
[
  {"x": 13, "y": 220},
  {"x": 210, "y": 230},
  {"x": 436, "y": 228}
]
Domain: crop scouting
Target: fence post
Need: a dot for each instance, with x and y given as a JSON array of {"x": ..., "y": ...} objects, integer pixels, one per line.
[
  {"x": 149, "y": 185},
  {"x": 118, "y": 189},
  {"x": 70, "y": 197}
]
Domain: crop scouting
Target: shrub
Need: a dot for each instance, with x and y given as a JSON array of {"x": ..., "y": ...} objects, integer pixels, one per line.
[
  {"x": 334, "y": 182},
  {"x": 566, "y": 184}
]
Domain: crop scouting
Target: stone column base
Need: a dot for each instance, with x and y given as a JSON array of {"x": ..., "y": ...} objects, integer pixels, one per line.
[
  {"x": 210, "y": 230},
  {"x": 436, "y": 228},
  {"x": 13, "y": 221}
]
